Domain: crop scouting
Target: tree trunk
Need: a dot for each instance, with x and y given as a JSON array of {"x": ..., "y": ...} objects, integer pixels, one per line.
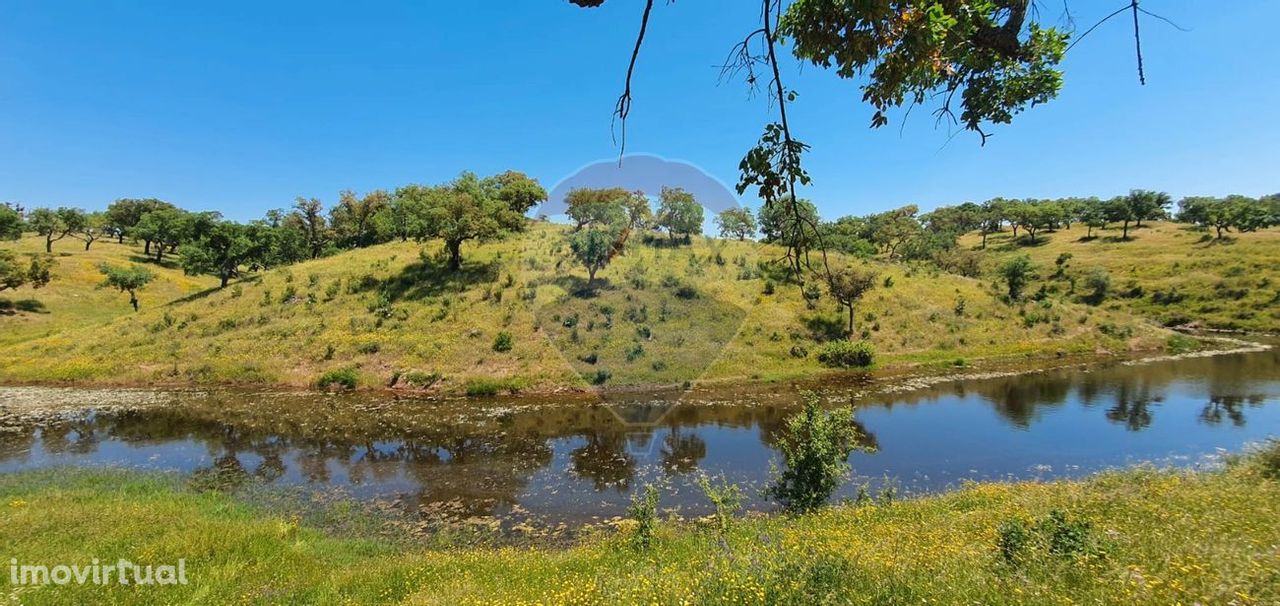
[
  {"x": 87, "y": 243},
  {"x": 591, "y": 277},
  {"x": 1124, "y": 235},
  {"x": 984, "y": 239},
  {"x": 146, "y": 250},
  {"x": 120, "y": 238},
  {"x": 133, "y": 300},
  {"x": 48, "y": 244},
  {"x": 225, "y": 277},
  {"x": 455, "y": 255},
  {"x": 850, "y": 306},
  {"x": 159, "y": 252}
]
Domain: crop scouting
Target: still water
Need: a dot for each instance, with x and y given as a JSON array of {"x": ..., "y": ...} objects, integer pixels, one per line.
[{"x": 576, "y": 461}]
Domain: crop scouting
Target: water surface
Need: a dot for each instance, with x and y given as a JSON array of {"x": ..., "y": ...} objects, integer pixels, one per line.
[{"x": 559, "y": 461}]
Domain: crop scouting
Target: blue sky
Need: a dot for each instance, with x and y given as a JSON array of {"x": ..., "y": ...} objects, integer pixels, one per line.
[{"x": 242, "y": 106}]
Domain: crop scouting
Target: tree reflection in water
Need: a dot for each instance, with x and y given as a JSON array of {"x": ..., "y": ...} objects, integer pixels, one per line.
[{"x": 467, "y": 458}]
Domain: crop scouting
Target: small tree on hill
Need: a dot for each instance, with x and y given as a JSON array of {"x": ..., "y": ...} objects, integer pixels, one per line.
[
  {"x": 15, "y": 273},
  {"x": 1118, "y": 210},
  {"x": 55, "y": 225},
  {"x": 848, "y": 285},
  {"x": 1093, "y": 215},
  {"x": 11, "y": 223},
  {"x": 308, "y": 219},
  {"x": 1017, "y": 272},
  {"x": 94, "y": 227},
  {"x": 736, "y": 223},
  {"x": 679, "y": 213},
  {"x": 126, "y": 279},
  {"x": 594, "y": 249},
  {"x": 223, "y": 250},
  {"x": 1145, "y": 204}
]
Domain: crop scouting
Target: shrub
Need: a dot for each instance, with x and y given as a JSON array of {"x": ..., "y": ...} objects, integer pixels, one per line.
[
  {"x": 372, "y": 347},
  {"x": 815, "y": 447},
  {"x": 1055, "y": 534},
  {"x": 727, "y": 498},
  {"x": 483, "y": 387},
  {"x": 685, "y": 291},
  {"x": 644, "y": 510},
  {"x": 421, "y": 380},
  {"x": 1016, "y": 273},
  {"x": 1179, "y": 344},
  {"x": 847, "y": 354},
  {"x": 342, "y": 378},
  {"x": 602, "y": 375},
  {"x": 1012, "y": 540},
  {"x": 1267, "y": 458},
  {"x": 503, "y": 342},
  {"x": 1098, "y": 284}
]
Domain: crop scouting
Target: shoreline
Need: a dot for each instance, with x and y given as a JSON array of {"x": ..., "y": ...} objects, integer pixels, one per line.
[{"x": 888, "y": 380}]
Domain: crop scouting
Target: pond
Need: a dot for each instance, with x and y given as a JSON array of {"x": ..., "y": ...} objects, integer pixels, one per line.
[{"x": 568, "y": 461}]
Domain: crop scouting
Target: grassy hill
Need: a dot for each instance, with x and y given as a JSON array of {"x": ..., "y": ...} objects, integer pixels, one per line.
[
  {"x": 1168, "y": 272},
  {"x": 392, "y": 314},
  {"x": 73, "y": 299}
]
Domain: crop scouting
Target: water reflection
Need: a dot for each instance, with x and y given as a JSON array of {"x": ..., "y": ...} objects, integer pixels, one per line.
[{"x": 579, "y": 460}]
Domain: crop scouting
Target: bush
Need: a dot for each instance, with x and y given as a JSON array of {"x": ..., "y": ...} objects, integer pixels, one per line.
[
  {"x": 727, "y": 498},
  {"x": 644, "y": 510},
  {"x": 342, "y": 378},
  {"x": 1179, "y": 344},
  {"x": 483, "y": 387},
  {"x": 421, "y": 380},
  {"x": 847, "y": 354},
  {"x": 1268, "y": 459},
  {"x": 1055, "y": 534},
  {"x": 601, "y": 376},
  {"x": 1098, "y": 284},
  {"x": 503, "y": 342},
  {"x": 815, "y": 447}
]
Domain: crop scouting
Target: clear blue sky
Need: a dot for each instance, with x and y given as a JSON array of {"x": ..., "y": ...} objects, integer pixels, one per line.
[{"x": 242, "y": 106}]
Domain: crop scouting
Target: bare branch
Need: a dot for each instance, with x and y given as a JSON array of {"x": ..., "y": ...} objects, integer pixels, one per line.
[{"x": 623, "y": 108}]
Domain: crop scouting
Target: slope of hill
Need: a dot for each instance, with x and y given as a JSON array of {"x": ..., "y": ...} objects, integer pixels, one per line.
[
  {"x": 73, "y": 300},
  {"x": 1168, "y": 272},
  {"x": 394, "y": 315}
]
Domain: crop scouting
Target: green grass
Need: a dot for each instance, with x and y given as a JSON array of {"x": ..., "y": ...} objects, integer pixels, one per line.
[
  {"x": 1168, "y": 272},
  {"x": 1134, "y": 537},
  {"x": 661, "y": 316},
  {"x": 73, "y": 299}
]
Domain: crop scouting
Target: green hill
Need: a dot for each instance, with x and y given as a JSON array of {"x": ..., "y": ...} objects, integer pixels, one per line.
[
  {"x": 1169, "y": 272},
  {"x": 73, "y": 300},
  {"x": 394, "y": 315}
]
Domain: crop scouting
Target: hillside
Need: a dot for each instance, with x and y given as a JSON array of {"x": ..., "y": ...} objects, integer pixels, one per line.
[
  {"x": 72, "y": 299},
  {"x": 393, "y": 314},
  {"x": 1168, "y": 272}
]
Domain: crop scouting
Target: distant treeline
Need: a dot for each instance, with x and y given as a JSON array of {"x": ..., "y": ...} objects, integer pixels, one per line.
[
  {"x": 906, "y": 234},
  {"x": 467, "y": 208},
  {"x": 474, "y": 208}
]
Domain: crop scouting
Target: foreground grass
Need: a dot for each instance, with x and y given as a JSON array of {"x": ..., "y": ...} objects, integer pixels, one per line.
[
  {"x": 384, "y": 314},
  {"x": 1169, "y": 272},
  {"x": 1155, "y": 537}
]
